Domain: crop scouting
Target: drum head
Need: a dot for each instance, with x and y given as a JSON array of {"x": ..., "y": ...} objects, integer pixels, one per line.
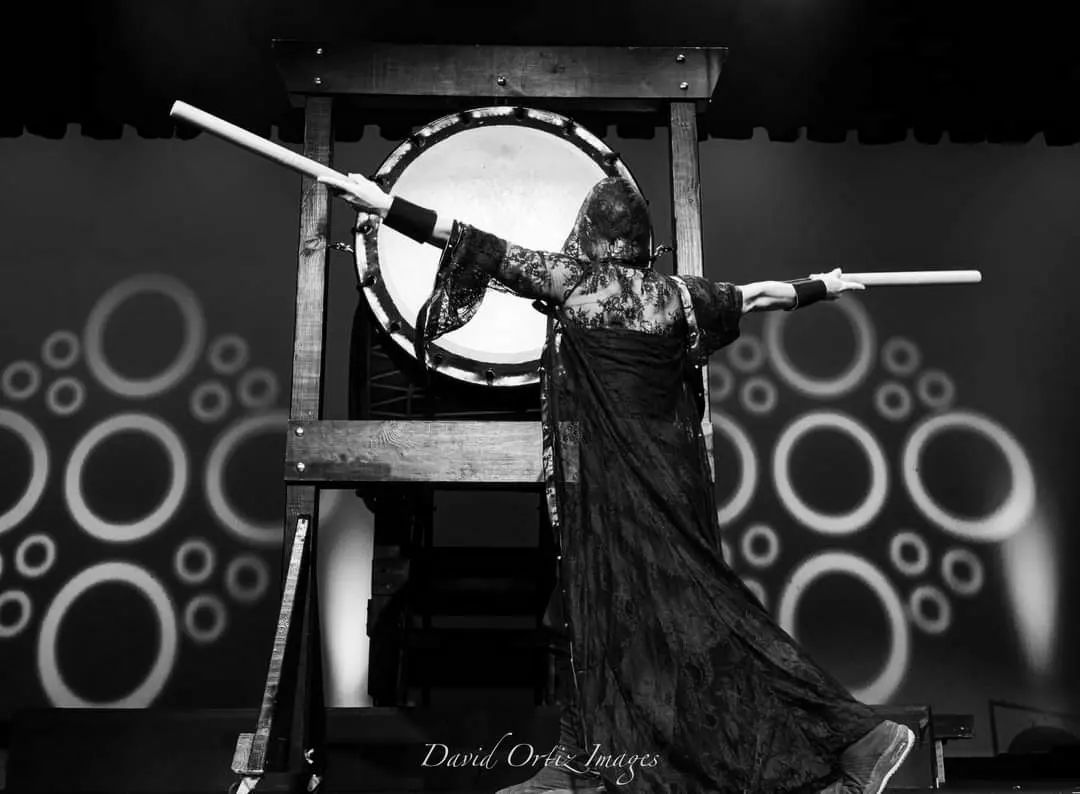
[{"x": 518, "y": 173}]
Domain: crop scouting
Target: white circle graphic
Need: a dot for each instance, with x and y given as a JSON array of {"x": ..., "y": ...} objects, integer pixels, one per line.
[
  {"x": 116, "y": 532},
  {"x": 11, "y": 372},
  {"x": 758, "y": 589},
  {"x": 268, "y": 534},
  {"x": 181, "y": 565},
  {"x": 210, "y": 401},
  {"x": 207, "y": 603},
  {"x": 760, "y": 559},
  {"x": 931, "y": 624},
  {"x": 60, "y": 350},
  {"x": 9, "y": 630},
  {"x": 58, "y": 405},
  {"x": 936, "y": 390},
  {"x": 893, "y": 401},
  {"x": 143, "y": 695},
  {"x": 967, "y": 585},
  {"x": 247, "y": 594},
  {"x": 892, "y": 674},
  {"x": 828, "y": 523},
  {"x": 186, "y": 357},
  {"x": 228, "y": 354},
  {"x": 746, "y": 353},
  {"x": 907, "y": 539},
  {"x": 900, "y": 357},
  {"x": 825, "y": 388},
  {"x": 258, "y": 388},
  {"x": 758, "y": 395},
  {"x": 39, "y": 468},
  {"x": 739, "y": 500},
  {"x": 43, "y": 541},
  {"x": 721, "y": 382},
  {"x": 1003, "y": 522}
]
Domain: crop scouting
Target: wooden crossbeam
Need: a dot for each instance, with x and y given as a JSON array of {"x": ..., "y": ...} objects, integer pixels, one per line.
[
  {"x": 340, "y": 451},
  {"x": 653, "y": 74}
]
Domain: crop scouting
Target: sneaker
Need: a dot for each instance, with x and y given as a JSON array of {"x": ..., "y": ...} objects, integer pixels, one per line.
[{"x": 870, "y": 762}]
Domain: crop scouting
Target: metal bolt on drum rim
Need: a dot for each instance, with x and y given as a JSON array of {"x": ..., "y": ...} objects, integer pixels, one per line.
[{"x": 557, "y": 147}]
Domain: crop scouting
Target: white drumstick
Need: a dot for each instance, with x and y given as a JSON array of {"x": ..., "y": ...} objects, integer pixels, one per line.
[
  {"x": 251, "y": 141},
  {"x": 903, "y": 278}
]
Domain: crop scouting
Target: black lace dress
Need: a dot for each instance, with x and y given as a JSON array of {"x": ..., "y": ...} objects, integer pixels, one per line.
[{"x": 684, "y": 683}]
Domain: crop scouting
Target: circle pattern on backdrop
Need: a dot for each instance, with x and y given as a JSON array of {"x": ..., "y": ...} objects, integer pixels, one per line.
[
  {"x": 10, "y": 376},
  {"x": 247, "y": 594},
  {"x": 721, "y": 382},
  {"x": 14, "y": 629},
  {"x": 936, "y": 390},
  {"x": 968, "y": 585},
  {"x": 931, "y": 624},
  {"x": 758, "y": 395},
  {"x": 268, "y": 534},
  {"x": 746, "y": 353},
  {"x": 39, "y": 468},
  {"x": 56, "y": 404},
  {"x": 739, "y": 500},
  {"x": 831, "y": 523},
  {"x": 42, "y": 541},
  {"x": 1003, "y": 522},
  {"x": 205, "y": 602},
  {"x": 900, "y": 357},
  {"x": 758, "y": 589},
  {"x": 186, "y": 357},
  {"x": 258, "y": 388},
  {"x": 893, "y": 401},
  {"x": 760, "y": 559},
  {"x": 228, "y": 354},
  {"x": 194, "y": 546},
  {"x": 60, "y": 350},
  {"x": 882, "y": 688},
  {"x": 210, "y": 401},
  {"x": 117, "y": 532},
  {"x": 907, "y": 539},
  {"x": 143, "y": 695},
  {"x": 855, "y": 373}
]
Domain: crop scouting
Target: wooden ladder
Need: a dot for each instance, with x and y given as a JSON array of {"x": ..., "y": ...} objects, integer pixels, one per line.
[{"x": 673, "y": 84}]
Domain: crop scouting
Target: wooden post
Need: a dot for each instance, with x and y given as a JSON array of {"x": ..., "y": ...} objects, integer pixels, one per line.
[
  {"x": 686, "y": 215},
  {"x": 293, "y": 676},
  {"x": 310, "y": 332}
]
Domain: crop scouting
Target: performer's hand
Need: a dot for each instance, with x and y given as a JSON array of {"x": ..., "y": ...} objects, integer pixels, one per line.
[
  {"x": 359, "y": 191},
  {"x": 836, "y": 284}
]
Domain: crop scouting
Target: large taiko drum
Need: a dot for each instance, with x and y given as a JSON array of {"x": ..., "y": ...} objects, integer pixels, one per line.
[{"x": 517, "y": 172}]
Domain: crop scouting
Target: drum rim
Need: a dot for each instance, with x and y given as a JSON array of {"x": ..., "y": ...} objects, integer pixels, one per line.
[{"x": 392, "y": 321}]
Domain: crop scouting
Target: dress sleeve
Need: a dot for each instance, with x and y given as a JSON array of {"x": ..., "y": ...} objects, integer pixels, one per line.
[
  {"x": 471, "y": 258},
  {"x": 718, "y": 306},
  {"x": 530, "y": 274}
]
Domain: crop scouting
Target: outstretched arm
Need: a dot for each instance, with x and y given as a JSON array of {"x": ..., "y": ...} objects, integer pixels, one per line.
[
  {"x": 368, "y": 197},
  {"x": 531, "y": 274},
  {"x": 763, "y": 296}
]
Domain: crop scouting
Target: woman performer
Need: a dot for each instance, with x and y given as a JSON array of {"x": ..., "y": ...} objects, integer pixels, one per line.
[{"x": 681, "y": 680}]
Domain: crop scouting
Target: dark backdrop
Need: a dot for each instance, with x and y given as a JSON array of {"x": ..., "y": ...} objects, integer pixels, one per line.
[{"x": 86, "y": 220}]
